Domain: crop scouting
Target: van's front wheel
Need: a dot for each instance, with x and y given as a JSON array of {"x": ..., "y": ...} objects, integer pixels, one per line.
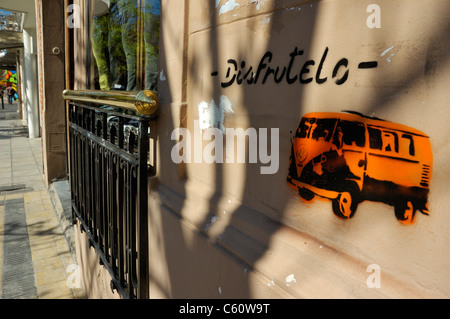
[
  {"x": 405, "y": 213},
  {"x": 344, "y": 206}
]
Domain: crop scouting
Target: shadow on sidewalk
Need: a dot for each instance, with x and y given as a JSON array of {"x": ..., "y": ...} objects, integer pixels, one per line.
[
  {"x": 15, "y": 128},
  {"x": 10, "y": 112}
]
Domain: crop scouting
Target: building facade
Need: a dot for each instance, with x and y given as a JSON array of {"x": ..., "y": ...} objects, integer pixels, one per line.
[{"x": 238, "y": 207}]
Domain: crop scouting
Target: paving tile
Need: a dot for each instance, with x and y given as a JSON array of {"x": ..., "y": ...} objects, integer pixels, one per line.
[
  {"x": 2, "y": 218},
  {"x": 18, "y": 275},
  {"x": 4, "y": 176},
  {"x": 56, "y": 290},
  {"x": 6, "y": 169},
  {"x": 50, "y": 256}
]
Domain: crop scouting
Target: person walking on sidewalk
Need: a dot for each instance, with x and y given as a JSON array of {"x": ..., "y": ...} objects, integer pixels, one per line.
[{"x": 10, "y": 91}]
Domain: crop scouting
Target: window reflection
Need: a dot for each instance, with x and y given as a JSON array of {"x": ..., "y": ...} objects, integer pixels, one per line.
[
  {"x": 11, "y": 20},
  {"x": 120, "y": 28},
  {"x": 151, "y": 17}
]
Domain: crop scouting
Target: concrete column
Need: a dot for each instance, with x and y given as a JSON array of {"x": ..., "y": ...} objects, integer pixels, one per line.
[
  {"x": 51, "y": 69},
  {"x": 22, "y": 85},
  {"x": 31, "y": 82}
]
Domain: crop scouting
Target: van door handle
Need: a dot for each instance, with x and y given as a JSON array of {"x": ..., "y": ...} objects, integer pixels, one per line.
[{"x": 361, "y": 163}]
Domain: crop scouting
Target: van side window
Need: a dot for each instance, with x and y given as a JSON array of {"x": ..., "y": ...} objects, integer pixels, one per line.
[
  {"x": 375, "y": 141},
  {"x": 353, "y": 133},
  {"x": 408, "y": 146},
  {"x": 390, "y": 141}
]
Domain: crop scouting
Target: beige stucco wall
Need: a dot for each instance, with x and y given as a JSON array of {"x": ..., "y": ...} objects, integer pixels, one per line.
[
  {"x": 226, "y": 230},
  {"x": 95, "y": 279}
]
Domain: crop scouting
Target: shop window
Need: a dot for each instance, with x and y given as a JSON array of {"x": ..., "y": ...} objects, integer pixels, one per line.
[{"x": 125, "y": 44}]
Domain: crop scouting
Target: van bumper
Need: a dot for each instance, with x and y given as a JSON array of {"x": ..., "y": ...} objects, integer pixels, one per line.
[{"x": 318, "y": 191}]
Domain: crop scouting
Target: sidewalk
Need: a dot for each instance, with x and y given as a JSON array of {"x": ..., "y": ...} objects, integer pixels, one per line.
[{"x": 35, "y": 259}]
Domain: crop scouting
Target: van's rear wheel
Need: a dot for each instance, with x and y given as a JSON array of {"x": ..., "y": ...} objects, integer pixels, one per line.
[
  {"x": 405, "y": 213},
  {"x": 344, "y": 206}
]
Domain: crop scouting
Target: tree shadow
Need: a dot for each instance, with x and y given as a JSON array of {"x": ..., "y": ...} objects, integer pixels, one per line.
[
  {"x": 212, "y": 262},
  {"x": 200, "y": 262}
]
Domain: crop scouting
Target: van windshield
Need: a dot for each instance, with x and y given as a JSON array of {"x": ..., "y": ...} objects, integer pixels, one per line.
[{"x": 323, "y": 129}]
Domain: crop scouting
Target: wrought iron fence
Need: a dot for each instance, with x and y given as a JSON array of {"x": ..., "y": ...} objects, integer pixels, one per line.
[{"x": 108, "y": 156}]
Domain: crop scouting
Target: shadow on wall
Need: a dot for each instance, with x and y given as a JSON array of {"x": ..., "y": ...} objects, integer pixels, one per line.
[
  {"x": 197, "y": 278},
  {"x": 205, "y": 270}
]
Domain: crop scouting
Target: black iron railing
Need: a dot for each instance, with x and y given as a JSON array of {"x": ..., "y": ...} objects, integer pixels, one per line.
[{"x": 108, "y": 154}]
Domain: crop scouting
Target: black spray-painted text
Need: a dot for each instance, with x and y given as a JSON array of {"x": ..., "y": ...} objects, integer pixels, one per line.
[{"x": 265, "y": 72}]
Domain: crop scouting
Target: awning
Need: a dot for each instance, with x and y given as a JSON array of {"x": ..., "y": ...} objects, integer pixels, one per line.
[{"x": 9, "y": 39}]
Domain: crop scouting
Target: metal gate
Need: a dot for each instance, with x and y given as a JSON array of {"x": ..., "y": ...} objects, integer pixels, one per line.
[{"x": 108, "y": 156}]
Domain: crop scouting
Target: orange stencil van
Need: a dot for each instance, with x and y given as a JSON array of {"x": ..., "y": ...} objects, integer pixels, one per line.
[{"x": 349, "y": 158}]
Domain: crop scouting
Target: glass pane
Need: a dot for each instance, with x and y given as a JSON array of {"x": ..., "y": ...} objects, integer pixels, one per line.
[
  {"x": 11, "y": 20},
  {"x": 151, "y": 17},
  {"x": 119, "y": 29}
]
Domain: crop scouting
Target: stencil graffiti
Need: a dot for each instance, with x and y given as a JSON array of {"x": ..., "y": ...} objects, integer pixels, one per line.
[
  {"x": 349, "y": 158},
  {"x": 265, "y": 72}
]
